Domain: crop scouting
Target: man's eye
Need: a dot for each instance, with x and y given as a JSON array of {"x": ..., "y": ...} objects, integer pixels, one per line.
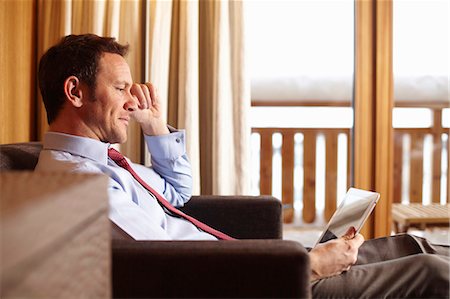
[{"x": 120, "y": 89}]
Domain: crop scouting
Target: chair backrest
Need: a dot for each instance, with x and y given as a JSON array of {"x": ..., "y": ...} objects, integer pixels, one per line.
[
  {"x": 24, "y": 156},
  {"x": 19, "y": 156}
]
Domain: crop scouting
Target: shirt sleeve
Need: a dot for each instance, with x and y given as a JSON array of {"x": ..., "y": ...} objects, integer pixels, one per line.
[{"x": 170, "y": 162}]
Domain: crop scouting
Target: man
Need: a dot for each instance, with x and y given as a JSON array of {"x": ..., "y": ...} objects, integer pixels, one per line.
[{"x": 90, "y": 99}]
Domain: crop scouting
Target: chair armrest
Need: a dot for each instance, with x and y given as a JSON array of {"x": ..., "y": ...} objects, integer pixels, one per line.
[
  {"x": 242, "y": 217},
  {"x": 19, "y": 156},
  {"x": 207, "y": 269}
]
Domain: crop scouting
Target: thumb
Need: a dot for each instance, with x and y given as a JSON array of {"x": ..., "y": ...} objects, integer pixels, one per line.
[{"x": 350, "y": 234}]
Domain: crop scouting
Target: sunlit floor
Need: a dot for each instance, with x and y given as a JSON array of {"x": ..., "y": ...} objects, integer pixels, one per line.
[{"x": 308, "y": 236}]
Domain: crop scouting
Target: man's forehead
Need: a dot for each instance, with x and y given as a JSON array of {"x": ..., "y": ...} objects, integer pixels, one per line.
[{"x": 116, "y": 65}]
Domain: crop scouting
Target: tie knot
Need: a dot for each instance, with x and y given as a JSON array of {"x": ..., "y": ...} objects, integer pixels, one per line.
[{"x": 117, "y": 157}]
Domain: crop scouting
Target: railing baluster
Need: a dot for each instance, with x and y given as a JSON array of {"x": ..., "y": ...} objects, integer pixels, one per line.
[
  {"x": 349, "y": 158},
  {"x": 330, "y": 173},
  {"x": 416, "y": 169},
  {"x": 309, "y": 176},
  {"x": 287, "y": 153},
  {"x": 265, "y": 170},
  {"x": 448, "y": 167},
  {"x": 437, "y": 156},
  {"x": 398, "y": 163}
]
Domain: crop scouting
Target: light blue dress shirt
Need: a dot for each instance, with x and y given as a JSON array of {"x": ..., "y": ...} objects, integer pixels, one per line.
[{"x": 131, "y": 206}]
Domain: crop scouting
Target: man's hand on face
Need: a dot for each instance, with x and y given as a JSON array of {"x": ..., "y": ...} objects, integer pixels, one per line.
[
  {"x": 149, "y": 113},
  {"x": 335, "y": 256}
]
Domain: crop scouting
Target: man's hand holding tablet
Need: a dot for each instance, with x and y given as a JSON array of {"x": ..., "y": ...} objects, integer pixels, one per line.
[
  {"x": 335, "y": 256},
  {"x": 337, "y": 248}
]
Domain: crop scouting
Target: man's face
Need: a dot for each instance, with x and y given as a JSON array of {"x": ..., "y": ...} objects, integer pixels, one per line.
[{"x": 106, "y": 112}]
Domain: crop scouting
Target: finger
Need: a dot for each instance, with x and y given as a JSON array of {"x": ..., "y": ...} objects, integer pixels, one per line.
[
  {"x": 148, "y": 99},
  {"x": 136, "y": 90},
  {"x": 350, "y": 234},
  {"x": 358, "y": 240},
  {"x": 153, "y": 93}
]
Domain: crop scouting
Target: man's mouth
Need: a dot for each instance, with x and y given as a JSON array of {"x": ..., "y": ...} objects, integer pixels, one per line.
[{"x": 125, "y": 120}]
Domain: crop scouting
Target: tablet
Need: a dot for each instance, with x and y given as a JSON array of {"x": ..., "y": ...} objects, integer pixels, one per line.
[{"x": 353, "y": 211}]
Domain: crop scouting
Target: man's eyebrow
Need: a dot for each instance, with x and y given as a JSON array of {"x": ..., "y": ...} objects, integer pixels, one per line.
[{"x": 124, "y": 83}]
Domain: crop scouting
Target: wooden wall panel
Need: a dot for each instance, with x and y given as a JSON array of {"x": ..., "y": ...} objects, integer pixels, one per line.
[
  {"x": 373, "y": 104},
  {"x": 17, "y": 72},
  {"x": 363, "y": 103},
  {"x": 384, "y": 103}
]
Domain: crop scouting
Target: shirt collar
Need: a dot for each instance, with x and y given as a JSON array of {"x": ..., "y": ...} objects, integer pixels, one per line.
[{"x": 76, "y": 145}]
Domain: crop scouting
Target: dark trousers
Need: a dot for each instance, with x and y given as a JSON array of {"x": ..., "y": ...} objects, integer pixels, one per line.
[{"x": 401, "y": 266}]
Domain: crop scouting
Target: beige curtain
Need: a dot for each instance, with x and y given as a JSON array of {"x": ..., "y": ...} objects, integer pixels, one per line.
[
  {"x": 193, "y": 51},
  {"x": 224, "y": 99},
  {"x": 173, "y": 67},
  {"x": 205, "y": 88}
]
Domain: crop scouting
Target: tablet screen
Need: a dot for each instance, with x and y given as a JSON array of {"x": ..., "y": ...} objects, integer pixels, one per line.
[{"x": 353, "y": 211}]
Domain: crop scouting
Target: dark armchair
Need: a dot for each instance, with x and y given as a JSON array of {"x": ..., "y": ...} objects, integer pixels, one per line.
[{"x": 260, "y": 265}]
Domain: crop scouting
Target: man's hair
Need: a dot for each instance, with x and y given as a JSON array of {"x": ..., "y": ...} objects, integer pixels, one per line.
[{"x": 74, "y": 55}]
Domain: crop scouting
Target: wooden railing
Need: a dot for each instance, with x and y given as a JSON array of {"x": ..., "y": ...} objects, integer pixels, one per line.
[
  {"x": 310, "y": 135},
  {"x": 417, "y": 137}
]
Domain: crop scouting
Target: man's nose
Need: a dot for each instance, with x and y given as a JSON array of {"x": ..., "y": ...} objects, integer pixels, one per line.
[{"x": 131, "y": 104}]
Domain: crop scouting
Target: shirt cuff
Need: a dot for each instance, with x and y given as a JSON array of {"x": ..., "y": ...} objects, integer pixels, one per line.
[{"x": 169, "y": 146}]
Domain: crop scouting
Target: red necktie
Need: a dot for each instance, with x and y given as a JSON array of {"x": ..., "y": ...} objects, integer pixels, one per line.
[{"x": 122, "y": 162}]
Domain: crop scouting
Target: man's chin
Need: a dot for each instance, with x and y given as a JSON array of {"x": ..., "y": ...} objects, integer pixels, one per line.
[
  {"x": 117, "y": 139},
  {"x": 122, "y": 140}
]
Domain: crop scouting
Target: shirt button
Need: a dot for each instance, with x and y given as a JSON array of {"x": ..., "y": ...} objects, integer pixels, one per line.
[{"x": 178, "y": 140}]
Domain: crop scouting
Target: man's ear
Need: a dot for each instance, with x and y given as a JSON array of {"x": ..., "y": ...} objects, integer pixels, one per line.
[{"x": 73, "y": 91}]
